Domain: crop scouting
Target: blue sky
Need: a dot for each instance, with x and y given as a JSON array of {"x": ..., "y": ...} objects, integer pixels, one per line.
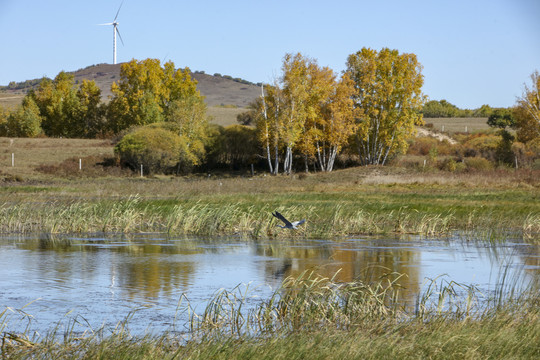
[{"x": 474, "y": 52}]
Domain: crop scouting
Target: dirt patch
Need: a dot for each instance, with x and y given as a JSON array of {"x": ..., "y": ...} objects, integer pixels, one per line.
[{"x": 421, "y": 132}]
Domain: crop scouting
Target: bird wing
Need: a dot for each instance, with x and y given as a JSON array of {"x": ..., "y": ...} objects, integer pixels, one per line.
[
  {"x": 296, "y": 223},
  {"x": 282, "y": 218}
]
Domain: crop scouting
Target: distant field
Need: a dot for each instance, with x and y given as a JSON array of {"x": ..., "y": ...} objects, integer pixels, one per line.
[
  {"x": 31, "y": 153},
  {"x": 10, "y": 100},
  {"x": 453, "y": 125},
  {"x": 224, "y": 116}
]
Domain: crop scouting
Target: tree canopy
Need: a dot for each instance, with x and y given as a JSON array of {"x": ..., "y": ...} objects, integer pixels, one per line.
[
  {"x": 148, "y": 93},
  {"x": 65, "y": 109},
  {"x": 388, "y": 98},
  {"x": 308, "y": 110},
  {"x": 527, "y": 111}
]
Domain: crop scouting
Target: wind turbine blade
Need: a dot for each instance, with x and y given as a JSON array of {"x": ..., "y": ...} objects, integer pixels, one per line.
[
  {"x": 106, "y": 24},
  {"x": 118, "y": 32},
  {"x": 118, "y": 11}
]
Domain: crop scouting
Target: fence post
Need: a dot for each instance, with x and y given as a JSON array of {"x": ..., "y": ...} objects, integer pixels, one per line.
[
  {"x": 12, "y": 159},
  {"x": 80, "y": 164},
  {"x": 141, "y": 170}
]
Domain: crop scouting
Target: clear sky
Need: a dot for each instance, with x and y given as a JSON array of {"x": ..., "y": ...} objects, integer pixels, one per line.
[{"x": 474, "y": 52}]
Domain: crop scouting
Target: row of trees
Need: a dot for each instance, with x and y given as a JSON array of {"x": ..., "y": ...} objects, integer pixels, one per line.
[
  {"x": 146, "y": 93},
  {"x": 444, "y": 109},
  {"x": 309, "y": 113},
  {"x": 312, "y": 112}
]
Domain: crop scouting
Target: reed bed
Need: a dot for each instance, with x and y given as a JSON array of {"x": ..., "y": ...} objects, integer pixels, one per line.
[
  {"x": 252, "y": 219},
  {"x": 312, "y": 316}
]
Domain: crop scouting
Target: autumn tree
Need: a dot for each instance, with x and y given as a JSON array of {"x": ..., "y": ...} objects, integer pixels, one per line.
[
  {"x": 149, "y": 93},
  {"x": 308, "y": 112},
  {"x": 527, "y": 111},
  {"x": 155, "y": 96},
  {"x": 337, "y": 122},
  {"x": 268, "y": 124},
  {"x": 389, "y": 99},
  {"x": 296, "y": 95}
]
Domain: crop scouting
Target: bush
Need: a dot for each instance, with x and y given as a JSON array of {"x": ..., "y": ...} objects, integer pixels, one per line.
[
  {"x": 478, "y": 164},
  {"x": 484, "y": 145},
  {"x": 157, "y": 149},
  {"x": 452, "y": 165}
]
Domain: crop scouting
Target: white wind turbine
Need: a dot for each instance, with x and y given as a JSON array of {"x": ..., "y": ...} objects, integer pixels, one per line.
[{"x": 115, "y": 31}]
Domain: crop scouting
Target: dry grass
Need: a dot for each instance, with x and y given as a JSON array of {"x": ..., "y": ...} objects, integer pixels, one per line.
[
  {"x": 29, "y": 154},
  {"x": 453, "y": 125},
  {"x": 10, "y": 100},
  {"x": 224, "y": 116}
]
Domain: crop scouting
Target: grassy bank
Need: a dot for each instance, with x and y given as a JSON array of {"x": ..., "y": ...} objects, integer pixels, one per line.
[
  {"x": 312, "y": 317},
  {"x": 347, "y": 202}
]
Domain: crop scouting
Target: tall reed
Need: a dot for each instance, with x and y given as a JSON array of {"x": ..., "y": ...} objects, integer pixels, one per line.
[
  {"x": 251, "y": 219},
  {"x": 312, "y": 313}
]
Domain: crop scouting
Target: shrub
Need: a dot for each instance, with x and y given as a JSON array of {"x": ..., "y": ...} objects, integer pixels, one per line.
[
  {"x": 422, "y": 145},
  {"x": 484, "y": 145},
  {"x": 157, "y": 149},
  {"x": 478, "y": 164},
  {"x": 452, "y": 165}
]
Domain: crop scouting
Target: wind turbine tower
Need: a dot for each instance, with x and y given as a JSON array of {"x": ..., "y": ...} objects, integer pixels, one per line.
[{"x": 115, "y": 31}]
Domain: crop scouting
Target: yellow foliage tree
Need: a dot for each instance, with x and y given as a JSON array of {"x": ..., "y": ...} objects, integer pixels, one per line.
[
  {"x": 527, "y": 111},
  {"x": 388, "y": 98},
  {"x": 308, "y": 112},
  {"x": 149, "y": 93}
]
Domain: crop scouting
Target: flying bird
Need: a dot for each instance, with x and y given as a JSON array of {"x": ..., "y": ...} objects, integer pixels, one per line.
[{"x": 288, "y": 224}]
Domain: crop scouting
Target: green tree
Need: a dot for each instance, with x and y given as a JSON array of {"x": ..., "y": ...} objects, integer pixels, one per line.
[
  {"x": 4, "y": 114},
  {"x": 527, "y": 111},
  {"x": 58, "y": 105},
  {"x": 442, "y": 108},
  {"x": 156, "y": 149},
  {"x": 68, "y": 110},
  {"x": 501, "y": 118},
  {"x": 25, "y": 121},
  {"x": 188, "y": 118},
  {"x": 389, "y": 99},
  {"x": 483, "y": 111},
  {"x": 235, "y": 148},
  {"x": 90, "y": 120}
]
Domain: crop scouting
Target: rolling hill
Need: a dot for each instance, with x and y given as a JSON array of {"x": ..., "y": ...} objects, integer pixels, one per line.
[{"x": 218, "y": 90}]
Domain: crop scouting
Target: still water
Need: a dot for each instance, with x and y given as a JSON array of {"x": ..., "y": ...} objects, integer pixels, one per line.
[{"x": 100, "y": 280}]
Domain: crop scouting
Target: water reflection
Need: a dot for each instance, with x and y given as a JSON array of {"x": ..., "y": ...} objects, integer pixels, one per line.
[{"x": 104, "y": 278}]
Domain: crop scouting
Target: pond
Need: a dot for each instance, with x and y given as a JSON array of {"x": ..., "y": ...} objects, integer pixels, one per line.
[{"x": 100, "y": 280}]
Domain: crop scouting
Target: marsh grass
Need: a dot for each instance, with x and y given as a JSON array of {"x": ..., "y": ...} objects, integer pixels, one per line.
[
  {"x": 252, "y": 218},
  {"x": 312, "y": 316}
]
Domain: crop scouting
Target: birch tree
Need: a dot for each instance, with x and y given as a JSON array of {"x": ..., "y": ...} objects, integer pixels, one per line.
[
  {"x": 388, "y": 98},
  {"x": 296, "y": 95},
  {"x": 268, "y": 124},
  {"x": 527, "y": 111},
  {"x": 337, "y": 122}
]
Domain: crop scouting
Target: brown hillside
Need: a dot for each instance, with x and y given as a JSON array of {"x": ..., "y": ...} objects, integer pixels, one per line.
[{"x": 216, "y": 89}]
